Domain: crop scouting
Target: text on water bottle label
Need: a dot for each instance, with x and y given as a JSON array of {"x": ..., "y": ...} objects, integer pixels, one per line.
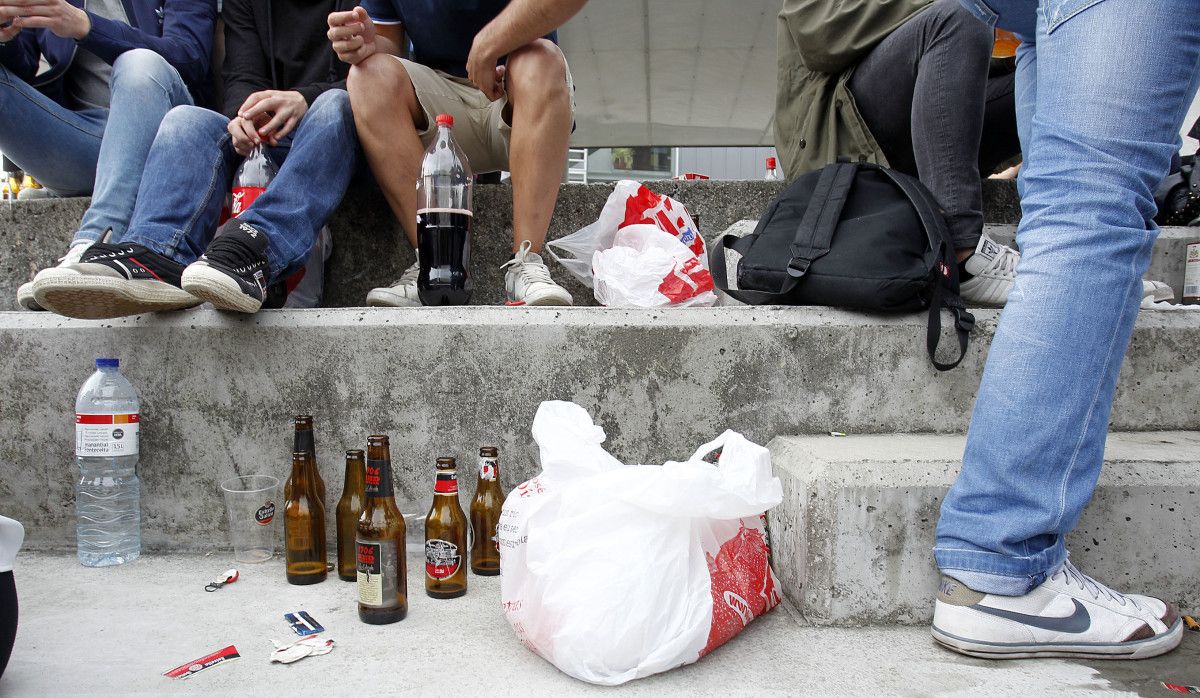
[{"x": 106, "y": 435}]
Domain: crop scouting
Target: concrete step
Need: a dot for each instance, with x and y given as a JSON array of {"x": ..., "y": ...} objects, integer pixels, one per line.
[
  {"x": 368, "y": 244},
  {"x": 152, "y": 615},
  {"x": 855, "y": 532},
  {"x": 218, "y": 391}
]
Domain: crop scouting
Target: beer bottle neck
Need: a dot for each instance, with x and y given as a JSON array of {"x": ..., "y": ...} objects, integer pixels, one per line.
[
  {"x": 445, "y": 483},
  {"x": 378, "y": 479},
  {"x": 303, "y": 441}
]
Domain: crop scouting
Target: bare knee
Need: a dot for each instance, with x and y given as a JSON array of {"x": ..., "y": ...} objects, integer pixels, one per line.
[
  {"x": 376, "y": 85},
  {"x": 538, "y": 71}
]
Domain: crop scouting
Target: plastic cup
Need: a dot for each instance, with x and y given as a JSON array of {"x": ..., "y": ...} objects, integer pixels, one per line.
[{"x": 253, "y": 505}]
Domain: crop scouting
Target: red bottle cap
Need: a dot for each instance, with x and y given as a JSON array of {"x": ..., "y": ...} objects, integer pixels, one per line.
[
  {"x": 445, "y": 120},
  {"x": 770, "y": 163}
]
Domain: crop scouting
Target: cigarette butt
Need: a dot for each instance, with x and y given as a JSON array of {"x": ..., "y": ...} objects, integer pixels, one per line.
[
  {"x": 837, "y": 433},
  {"x": 1191, "y": 623}
]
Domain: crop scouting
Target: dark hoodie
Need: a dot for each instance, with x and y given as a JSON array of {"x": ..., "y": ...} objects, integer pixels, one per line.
[{"x": 279, "y": 45}]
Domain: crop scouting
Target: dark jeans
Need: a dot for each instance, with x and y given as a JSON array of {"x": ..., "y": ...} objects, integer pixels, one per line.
[{"x": 926, "y": 95}]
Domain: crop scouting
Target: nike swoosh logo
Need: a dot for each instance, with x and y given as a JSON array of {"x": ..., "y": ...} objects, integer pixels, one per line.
[{"x": 1077, "y": 622}]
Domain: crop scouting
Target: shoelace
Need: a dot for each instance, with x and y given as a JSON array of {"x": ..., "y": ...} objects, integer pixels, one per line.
[
  {"x": 1005, "y": 263},
  {"x": 531, "y": 272},
  {"x": 1072, "y": 575},
  {"x": 231, "y": 252}
]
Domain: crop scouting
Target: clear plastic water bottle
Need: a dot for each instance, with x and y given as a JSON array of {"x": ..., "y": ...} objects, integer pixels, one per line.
[
  {"x": 772, "y": 174},
  {"x": 108, "y": 493}
]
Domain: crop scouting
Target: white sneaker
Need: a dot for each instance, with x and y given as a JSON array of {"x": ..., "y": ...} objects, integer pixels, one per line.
[
  {"x": 993, "y": 269},
  {"x": 401, "y": 294},
  {"x": 25, "y": 297},
  {"x": 528, "y": 280},
  {"x": 1068, "y": 615}
]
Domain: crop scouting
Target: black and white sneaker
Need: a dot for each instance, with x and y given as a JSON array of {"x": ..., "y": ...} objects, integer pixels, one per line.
[
  {"x": 232, "y": 273},
  {"x": 112, "y": 281}
]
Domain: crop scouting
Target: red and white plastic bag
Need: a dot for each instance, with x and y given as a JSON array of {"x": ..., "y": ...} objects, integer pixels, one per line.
[
  {"x": 644, "y": 251},
  {"x": 614, "y": 572}
]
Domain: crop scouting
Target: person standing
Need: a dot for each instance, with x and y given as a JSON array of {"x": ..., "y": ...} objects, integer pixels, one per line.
[
  {"x": 494, "y": 67},
  {"x": 284, "y": 91},
  {"x": 1102, "y": 89},
  {"x": 82, "y": 92}
]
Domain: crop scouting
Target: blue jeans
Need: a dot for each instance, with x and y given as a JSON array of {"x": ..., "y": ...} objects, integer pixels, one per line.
[
  {"x": 94, "y": 151},
  {"x": 1102, "y": 89},
  {"x": 191, "y": 166}
]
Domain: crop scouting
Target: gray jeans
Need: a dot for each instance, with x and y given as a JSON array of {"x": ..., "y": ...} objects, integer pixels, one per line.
[{"x": 931, "y": 104}]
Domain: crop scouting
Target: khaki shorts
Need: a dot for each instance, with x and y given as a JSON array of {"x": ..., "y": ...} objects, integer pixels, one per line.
[{"x": 479, "y": 126}]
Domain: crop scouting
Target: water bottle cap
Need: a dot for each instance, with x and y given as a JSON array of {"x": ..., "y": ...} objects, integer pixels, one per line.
[
  {"x": 108, "y": 363},
  {"x": 445, "y": 120},
  {"x": 770, "y": 163}
]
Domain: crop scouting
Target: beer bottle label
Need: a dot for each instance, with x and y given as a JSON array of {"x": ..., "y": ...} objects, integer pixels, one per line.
[
  {"x": 488, "y": 467},
  {"x": 442, "y": 559},
  {"x": 378, "y": 574},
  {"x": 379, "y": 479},
  {"x": 446, "y": 483},
  {"x": 107, "y": 435}
]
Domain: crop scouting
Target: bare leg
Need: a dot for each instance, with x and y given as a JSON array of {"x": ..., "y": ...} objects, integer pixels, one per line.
[
  {"x": 540, "y": 114},
  {"x": 388, "y": 118}
]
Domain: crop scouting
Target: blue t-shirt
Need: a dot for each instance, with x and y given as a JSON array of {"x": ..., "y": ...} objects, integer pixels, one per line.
[{"x": 441, "y": 31}]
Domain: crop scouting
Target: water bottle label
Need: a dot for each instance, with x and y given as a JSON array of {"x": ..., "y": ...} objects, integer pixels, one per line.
[{"x": 107, "y": 435}]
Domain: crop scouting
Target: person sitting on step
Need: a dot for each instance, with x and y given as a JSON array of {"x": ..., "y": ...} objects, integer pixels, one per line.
[
  {"x": 82, "y": 92},
  {"x": 906, "y": 85},
  {"x": 283, "y": 91},
  {"x": 495, "y": 68}
]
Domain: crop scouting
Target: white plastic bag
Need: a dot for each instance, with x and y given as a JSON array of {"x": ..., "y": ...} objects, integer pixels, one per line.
[
  {"x": 615, "y": 572},
  {"x": 630, "y": 203},
  {"x": 649, "y": 268}
]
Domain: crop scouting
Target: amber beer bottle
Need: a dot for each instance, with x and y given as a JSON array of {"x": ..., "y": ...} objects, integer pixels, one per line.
[
  {"x": 380, "y": 544},
  {"x": 349, "y": 508},
  {"x": 445, "y": 537},
  {"x": 485, "y": 514},
  {"x": 303, "y": 442},
  {"x": 304, "y": 523}
]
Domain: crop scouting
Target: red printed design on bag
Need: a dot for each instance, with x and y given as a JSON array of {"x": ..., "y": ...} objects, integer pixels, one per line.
[
  {"x": 243, "y": 197},
  {"x": 743, "y": 586},
  {"x": 686, "y": 281},
  {"x": 648, "y": 208}
]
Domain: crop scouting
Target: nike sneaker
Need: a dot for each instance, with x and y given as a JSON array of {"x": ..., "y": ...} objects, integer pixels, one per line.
[
  {"x": 401, "y": 293},
  {"x": 112, "y": 281},
  {"x": 232, "y": 274},
  {"x": 988, "y": 274},
  {"x": 1068, "y": 615},
  {"x": 528, "y": 281}
]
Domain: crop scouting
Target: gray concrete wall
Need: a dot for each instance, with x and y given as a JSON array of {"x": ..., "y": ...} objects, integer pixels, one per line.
[
  {"x": 368, "y": 247},
  {"x": 855, "y": 532},
  {"x": 218, "y": 391}
]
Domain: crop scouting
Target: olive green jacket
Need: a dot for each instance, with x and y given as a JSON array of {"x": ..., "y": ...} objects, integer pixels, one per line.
[{"x": 820, "y": 43}]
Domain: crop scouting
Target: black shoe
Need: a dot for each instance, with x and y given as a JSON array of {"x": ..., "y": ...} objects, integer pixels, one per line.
[
  {"x": 232, "y": 274},
  {"x": 113, "y": 281}
]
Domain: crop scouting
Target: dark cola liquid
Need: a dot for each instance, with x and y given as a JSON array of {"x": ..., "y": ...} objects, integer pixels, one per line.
[{"x": 444, "y": 237}]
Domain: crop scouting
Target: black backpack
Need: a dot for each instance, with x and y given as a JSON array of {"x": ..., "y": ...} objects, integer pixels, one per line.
[{"x": 852, "y": 235}]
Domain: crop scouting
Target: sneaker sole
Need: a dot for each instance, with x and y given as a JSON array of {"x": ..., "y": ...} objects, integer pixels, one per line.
[
  {"x": 386, "y": 298},
  {"x": 549, "y": 298},
  {"x": 99, "y": 298},
  {"x": 25, "y": 298},
  {"x": 217, "y": 288},
  {"x": 1138, "y": 649}
]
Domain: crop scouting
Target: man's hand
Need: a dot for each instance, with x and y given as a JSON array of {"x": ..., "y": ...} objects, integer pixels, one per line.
[
  {"x": 352, "y": 35},
  {"x": 59, "y": 16},
  {"x": 8, "y": 31},
  {"x": 274, "y": 112},
  {"x": 244, "y": 134},
  {"x": 482, "y": 70}
]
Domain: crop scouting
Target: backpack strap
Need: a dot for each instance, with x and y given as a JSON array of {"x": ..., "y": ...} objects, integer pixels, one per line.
[
  {"x": 812, "y": 239},
  {"x": 945, "y": 289}
]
